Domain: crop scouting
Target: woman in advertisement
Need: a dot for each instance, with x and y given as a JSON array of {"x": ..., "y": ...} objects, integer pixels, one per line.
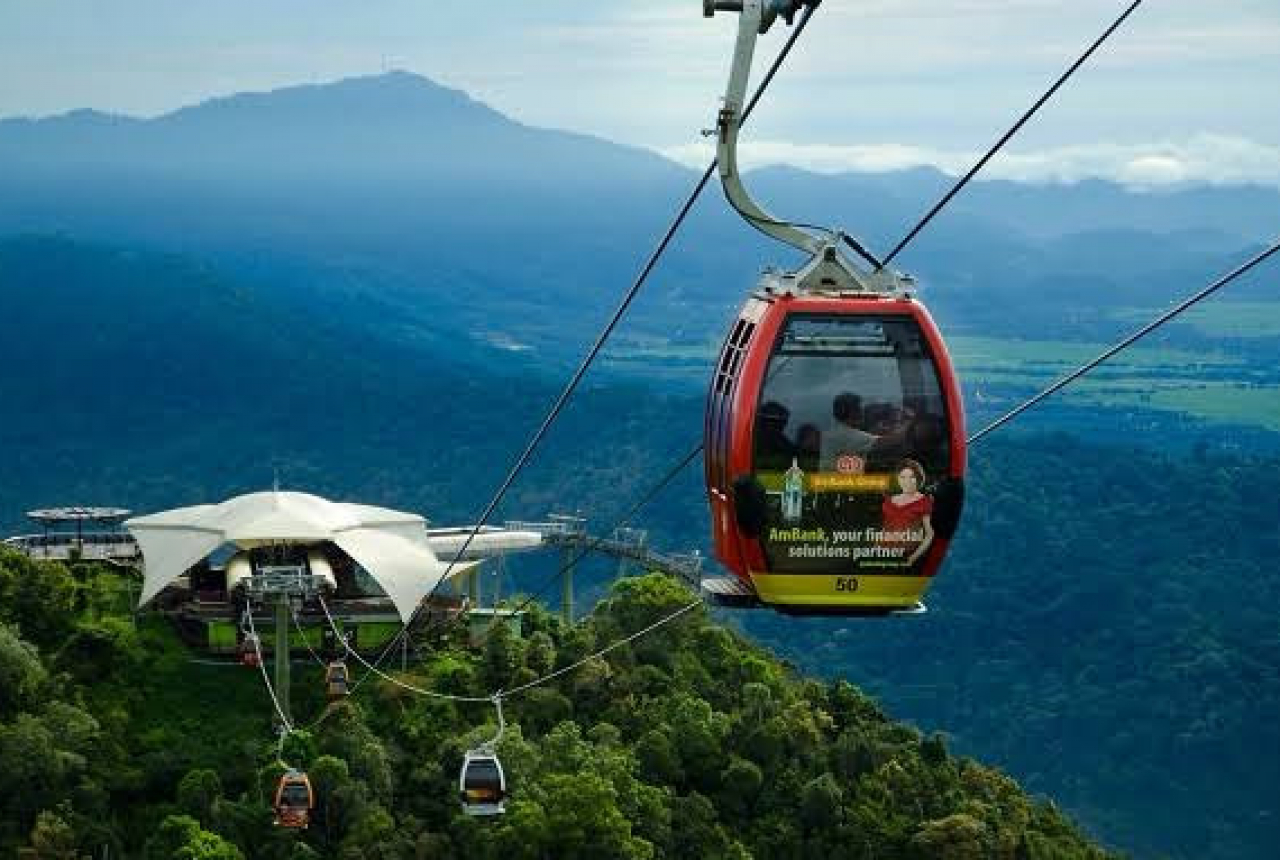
[{"x": 906, "y": 514}]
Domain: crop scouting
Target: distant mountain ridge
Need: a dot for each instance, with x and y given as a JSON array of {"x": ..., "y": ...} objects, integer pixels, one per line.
[
  {"x": 389, "y": 122},
  {"x": 378, "y": 124},
  {"x": 524, "y": 237}
]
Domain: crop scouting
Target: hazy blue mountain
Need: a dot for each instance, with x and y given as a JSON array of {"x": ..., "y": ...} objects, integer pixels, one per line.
[
  {"x": 1120, "y": 673},
  {"x": 159, "y": 380},
  {"x": 416, "y": 194}
]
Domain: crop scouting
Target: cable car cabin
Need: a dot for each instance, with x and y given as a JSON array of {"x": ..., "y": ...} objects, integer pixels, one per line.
[
  {"x": 835, "y": 454},
  {"x": 294, "y": 800},
  {"x": 482, "y": 786},
  {"x": 336, "y": 681},
  {"x": 249, "y": 650}
]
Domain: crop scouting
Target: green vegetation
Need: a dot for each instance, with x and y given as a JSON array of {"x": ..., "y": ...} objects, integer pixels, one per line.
[
  {"x": 687, "y": 743},
  {"x": 1105, "y": 629},
  {"x": 1209, "y": 385},
  {"x": 1230, "y": 319}
]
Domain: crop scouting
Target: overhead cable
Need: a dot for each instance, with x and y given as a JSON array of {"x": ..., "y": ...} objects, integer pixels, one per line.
[
  {"x": 1014, "y": 129},
  {"x": 1128, "y": 341},
  {"x": 596, "y": 542},
  {"x": 266, "y": 679},
  {"x": 394, "y": 680},
  {"x": 628, "y": 297}
]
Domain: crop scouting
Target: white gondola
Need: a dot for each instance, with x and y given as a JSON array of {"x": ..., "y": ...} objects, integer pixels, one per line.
[{"x": 482, "y": 785}]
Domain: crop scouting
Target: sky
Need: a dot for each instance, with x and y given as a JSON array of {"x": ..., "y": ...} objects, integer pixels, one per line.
[{"x": 1185, "y": 90}]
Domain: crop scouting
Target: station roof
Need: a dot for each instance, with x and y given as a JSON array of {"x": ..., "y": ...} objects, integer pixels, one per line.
[
  {"x": 392, "y": 546},
  {"x": 49, "y": 516}
]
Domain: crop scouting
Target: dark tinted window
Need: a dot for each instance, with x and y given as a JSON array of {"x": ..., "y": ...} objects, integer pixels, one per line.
[
  {"x": 482, "y": 774},
  {"x": 848, "y": 403}
]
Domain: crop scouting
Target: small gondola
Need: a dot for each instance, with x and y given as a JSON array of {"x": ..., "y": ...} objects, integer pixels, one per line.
[
  {"x": 294, "y": 800},
  {"x": 834, "y": 434},
  {"x": 337, "y": 682},
  {"x": 250, "y": 650},
  {"x": 482, "y": 785}
]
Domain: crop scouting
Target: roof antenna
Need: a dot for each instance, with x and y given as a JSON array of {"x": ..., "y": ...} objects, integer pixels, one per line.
[{"x": 275, "y": 477}]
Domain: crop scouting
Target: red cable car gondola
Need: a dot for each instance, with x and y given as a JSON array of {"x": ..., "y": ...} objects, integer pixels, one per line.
[
  {"x": 834, "y": 439},
  {"x": 835, "y": 453},
  {"x": 294, "y": 800}
]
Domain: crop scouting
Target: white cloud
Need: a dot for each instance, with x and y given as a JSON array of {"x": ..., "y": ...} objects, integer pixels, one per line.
[{"x": 1215, "y": 159}]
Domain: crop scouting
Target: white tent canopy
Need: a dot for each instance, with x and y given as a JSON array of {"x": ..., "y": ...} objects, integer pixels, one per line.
[{"x": 391, "y": 546}]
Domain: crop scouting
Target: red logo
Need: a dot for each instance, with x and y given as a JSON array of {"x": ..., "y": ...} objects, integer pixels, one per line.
[{"x": 850, "y": 464}]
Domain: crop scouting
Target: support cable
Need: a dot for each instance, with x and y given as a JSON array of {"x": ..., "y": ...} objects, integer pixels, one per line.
[
  {"x": 595, "y": 543},
  {"x": 1014, "y": 129},
  {"x": 537, "y": 682},
  {"x": 618, "y": 313},
  {"x": 298, "y": 626},
  {"x": 375, "y": 670},
  {"x": 1132, "y": 338},
  {"x": 628, "y": 297},
  {"x": 257, "y": 647},
  {"x": 497, "y": 696}
]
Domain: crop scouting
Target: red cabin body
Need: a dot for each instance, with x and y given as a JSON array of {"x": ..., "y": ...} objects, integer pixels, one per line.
[
  {"x": 294, "y": 801},
  {"x": 835, "y": 452}
]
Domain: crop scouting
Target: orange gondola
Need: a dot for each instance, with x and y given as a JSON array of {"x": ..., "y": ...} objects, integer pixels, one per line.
[
  {"x": 337, "y": 683},
  {"x": 294, "y": 800}
]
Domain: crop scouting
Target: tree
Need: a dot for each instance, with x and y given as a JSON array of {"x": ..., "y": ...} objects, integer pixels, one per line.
[
  {"x": 658, "y": 760},
  {"x": 21, "y": 673},
  {"x": 956, "y": 837},
  {"x": 540, "y": 654},
  {"x": 820, "y": 802},
  {"x": 37, "y": 596},
  {"x": 502, "y": 655},
  {"x": 739, "y": 787},
  {"x": 180, "y": 837},
  {"x": 573, "y": 817},
  {"x": 34, "y": 771},
  {"x": 328, "y": 775},
  {"x": 198, "y": 793},
  {"x": 53, "y": 838}
]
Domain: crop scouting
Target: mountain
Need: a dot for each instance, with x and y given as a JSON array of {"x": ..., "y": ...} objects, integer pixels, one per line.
[
  {"x": 159, "y": 379},
  {"x": 185, "y": 318},
  {"x": 417, "y": 193},
  {"x": 395, "y": 126},
  {"x": 155, "y": 380},
  {"x": 687, "y": 742}
]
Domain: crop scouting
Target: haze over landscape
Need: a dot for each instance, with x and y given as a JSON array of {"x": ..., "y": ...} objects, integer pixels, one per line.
[{"x": 375, "y": 286}]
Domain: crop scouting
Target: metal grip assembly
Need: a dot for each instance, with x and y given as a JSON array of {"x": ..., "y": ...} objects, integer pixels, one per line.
[{"x": 770, "y": 10}]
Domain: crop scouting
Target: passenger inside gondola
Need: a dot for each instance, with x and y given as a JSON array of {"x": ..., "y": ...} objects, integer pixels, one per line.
[
  {"x": 845, "y": 444},
  {"x": 774, "y": 449},
  {"x": 808, "y": 447}
]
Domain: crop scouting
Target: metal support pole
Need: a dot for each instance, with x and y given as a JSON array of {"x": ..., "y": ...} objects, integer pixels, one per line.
[
  {"x": 566, "y": 585},
  {"x": 282, "y": 654},
  {"x": 473, "y": 587}
]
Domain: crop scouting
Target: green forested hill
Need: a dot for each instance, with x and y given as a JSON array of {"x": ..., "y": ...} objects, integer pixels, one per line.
[
  {"x": 690, "y": 742},
  {"x": 1105, "y": 628}
]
